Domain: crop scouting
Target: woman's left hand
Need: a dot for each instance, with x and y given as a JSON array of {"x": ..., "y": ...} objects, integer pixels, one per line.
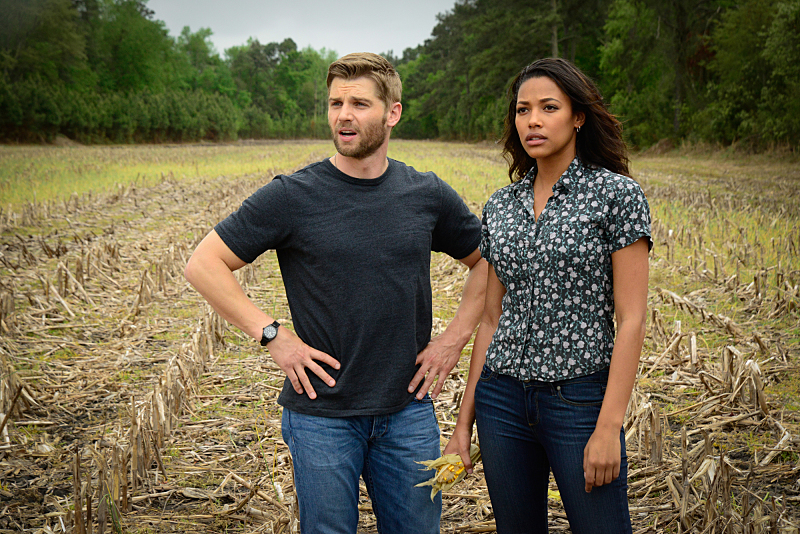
[{"x": 601, "y": 458}]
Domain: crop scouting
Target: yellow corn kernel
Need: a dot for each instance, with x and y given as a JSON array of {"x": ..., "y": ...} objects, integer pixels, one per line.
[{"x": 449, "y": 470}]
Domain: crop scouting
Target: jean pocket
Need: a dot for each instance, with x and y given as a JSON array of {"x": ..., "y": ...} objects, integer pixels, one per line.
[
  {"x": 424, "y": 400},
  {"x": 487, "y": 374},
  {"x": 582, "y": 392}
]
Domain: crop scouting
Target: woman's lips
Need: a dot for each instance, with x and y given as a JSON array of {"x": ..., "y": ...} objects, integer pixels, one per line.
[{"x": 535, "y": 139}]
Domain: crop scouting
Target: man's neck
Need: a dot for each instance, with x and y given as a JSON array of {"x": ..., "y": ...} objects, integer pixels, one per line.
[{"x": 368, "y": 168}]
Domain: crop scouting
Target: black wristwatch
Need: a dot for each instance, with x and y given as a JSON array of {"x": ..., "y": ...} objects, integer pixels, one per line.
[{"x": 270, "y": 332}]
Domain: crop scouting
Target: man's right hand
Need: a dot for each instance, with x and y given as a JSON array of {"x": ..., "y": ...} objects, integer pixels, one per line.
[
  {"x": 294, "y": 357},
  {"x": 210, "y": 270}
]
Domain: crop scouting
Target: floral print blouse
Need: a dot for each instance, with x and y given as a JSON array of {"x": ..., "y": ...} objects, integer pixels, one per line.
[{"x": 557, "y": 318}]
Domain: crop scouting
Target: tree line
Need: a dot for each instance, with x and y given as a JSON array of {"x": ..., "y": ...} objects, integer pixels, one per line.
[{"x": 717, "y": 71}]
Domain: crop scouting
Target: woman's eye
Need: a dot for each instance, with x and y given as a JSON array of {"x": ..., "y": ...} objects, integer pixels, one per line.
[{"x": 521, "y": 110}]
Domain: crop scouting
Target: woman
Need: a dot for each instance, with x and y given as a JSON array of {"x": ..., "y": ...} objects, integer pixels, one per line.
[{"x": 567, "y": 244}]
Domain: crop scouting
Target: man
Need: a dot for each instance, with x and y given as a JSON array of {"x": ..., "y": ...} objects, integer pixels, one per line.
[{"x": 354, "y": 235}]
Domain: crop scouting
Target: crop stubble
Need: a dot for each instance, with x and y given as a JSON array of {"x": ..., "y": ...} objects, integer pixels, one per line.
[{"x": 127, "y": 395}]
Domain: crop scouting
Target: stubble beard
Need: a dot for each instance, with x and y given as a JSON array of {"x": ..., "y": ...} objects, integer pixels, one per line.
[{"x": 373, "y": 136}]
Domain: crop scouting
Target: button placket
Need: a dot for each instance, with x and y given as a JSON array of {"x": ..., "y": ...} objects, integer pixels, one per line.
[{"x": 532, "y": 246}]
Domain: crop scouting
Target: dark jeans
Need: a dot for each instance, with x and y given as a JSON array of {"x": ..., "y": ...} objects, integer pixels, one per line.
[{"x": 528, "y": 428}]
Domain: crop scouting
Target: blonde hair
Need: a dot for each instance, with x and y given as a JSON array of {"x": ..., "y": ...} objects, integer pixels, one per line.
[{"x": 373, "y": 66}]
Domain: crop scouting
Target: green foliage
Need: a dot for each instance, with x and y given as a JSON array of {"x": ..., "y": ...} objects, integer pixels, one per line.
[
  {"x": 107, "y": 71},
  {"x": 135, "y": 52},
  {"x": 455, "y": 84},
  {"x": 741, "y": 74},
  {"x": 285, "y": 88},
  {"x": 34, "y": 111},
  {"x": 41, "y": 38},
  {"x": 782, "y": 52},
  {"x": 754, "y": 95},
  {"x": 637, "y": 80}
]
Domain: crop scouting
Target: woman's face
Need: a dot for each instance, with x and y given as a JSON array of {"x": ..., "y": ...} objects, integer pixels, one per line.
[{"x": 545, "y": 121}]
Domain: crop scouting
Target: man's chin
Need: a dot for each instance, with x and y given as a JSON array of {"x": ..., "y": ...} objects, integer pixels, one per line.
[
  {"x": 356, "y": 152},
  {"x": 348, "y": 151}
]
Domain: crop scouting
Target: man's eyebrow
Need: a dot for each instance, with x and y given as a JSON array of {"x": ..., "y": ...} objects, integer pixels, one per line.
[{"x": 357, "y": 99}]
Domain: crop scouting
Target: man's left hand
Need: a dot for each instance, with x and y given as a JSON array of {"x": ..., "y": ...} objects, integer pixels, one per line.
[{"x": 436, "y": 360}]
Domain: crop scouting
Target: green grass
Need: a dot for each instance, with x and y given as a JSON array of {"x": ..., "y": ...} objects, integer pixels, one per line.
[
  {"x": 474, "y": 171},
  {"x": 39, "y": 174}
]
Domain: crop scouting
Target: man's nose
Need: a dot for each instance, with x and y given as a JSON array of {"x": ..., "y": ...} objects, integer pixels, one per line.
[{"x": 345, "y": 113}]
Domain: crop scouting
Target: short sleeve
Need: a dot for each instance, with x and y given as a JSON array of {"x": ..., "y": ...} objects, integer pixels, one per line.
[
  {"x": 261, "y": 223},
  {"x": 457, "y": 231},
  {"x": 629, "y": 216},
  {"x": 485, "y": 246}
]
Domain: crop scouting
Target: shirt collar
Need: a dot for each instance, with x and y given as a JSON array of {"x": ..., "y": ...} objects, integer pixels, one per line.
[
  {"x": 524, "y": 188},
  {"x": 570, "y": 177},
  {"x": 566, "y": 183}
]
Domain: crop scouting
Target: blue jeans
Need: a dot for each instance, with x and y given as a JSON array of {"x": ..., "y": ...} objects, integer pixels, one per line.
[
  {"x": 527, "y": 428},
  {"x": 331, "y": 453}
]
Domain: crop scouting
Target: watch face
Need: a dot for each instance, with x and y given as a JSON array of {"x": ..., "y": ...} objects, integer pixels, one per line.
[{"x": 270, "y": 332}]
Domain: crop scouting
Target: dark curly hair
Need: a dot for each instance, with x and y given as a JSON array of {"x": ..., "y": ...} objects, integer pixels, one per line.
[{"x": 599, "y": 142}]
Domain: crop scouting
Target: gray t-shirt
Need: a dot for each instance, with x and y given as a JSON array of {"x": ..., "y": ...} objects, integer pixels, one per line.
[{"x": 355, "y": 260}]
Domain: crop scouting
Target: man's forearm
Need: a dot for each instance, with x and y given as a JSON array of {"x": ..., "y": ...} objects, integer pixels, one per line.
[
  {"x": 470, "y": 308},
  {"x": 212, "y": 275},
  {"x": 222, "y": 291},
  {"x": 443, "y": 352}
]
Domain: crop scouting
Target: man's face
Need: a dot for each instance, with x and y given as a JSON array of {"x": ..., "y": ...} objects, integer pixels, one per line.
[{"x": 357, "y": 117}]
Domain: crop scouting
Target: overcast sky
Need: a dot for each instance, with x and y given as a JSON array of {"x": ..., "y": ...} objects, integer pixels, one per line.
[{"x": 349, "y": 26}]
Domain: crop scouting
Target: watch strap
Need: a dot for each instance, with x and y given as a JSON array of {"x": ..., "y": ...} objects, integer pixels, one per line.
[{"x": 264, "y": 338}]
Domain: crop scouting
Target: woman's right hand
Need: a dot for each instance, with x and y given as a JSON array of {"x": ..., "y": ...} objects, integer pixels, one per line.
[
  {"x": 462, "y": 433},
  {"x": 459, "y": 444}
]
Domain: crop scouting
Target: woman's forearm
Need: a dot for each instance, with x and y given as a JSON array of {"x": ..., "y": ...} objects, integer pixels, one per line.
[
  {"x": 630, "y": 268},
  {"x": 621, "y": 374}
]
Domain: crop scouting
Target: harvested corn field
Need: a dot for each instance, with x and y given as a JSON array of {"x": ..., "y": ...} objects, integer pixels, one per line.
[{"x": 127, "y": 405}]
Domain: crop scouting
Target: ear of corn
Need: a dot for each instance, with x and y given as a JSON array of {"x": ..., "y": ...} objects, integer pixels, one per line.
[{"x": 449, "y": 470}]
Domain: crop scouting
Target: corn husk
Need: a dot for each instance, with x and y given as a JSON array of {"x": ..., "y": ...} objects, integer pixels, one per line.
[{"x": 449, "y": 470}]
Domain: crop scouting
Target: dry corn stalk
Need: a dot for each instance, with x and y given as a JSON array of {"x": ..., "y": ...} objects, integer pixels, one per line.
[{"x": 449, "y": 470}]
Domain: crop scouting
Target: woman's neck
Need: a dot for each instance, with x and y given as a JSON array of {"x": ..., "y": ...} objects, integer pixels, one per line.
[{"x": 549, "y": 170}]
